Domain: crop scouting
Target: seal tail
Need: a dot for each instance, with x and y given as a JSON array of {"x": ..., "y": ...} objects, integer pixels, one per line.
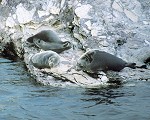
[
  {"x": 142, "y": 66},
  {"x": 131, "y": 65}
]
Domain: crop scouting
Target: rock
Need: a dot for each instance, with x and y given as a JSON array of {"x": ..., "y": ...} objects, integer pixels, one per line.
[
  {"x": 146, "y": 22},
  {"x": 83, "y": 11},
  {"x": 54, "y": 10},
  {"x": 89, "y": 25},
  {"x": 131, "y": 15},
  {"x": 94, "y": 32},
  {"x": 3, "y": 2},
  {"x": 23, "y": 15},
  {"x": 117, "y": 6},
  {"x": 42, "y": 13},
  {"x": 52, "y": 7},
  {"x": 10, "y": 22}
]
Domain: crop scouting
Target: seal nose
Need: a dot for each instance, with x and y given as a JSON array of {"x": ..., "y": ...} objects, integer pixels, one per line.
[{"x": 77, "y": 68}]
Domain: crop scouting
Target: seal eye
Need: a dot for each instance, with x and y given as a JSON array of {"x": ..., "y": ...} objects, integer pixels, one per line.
[
  {"x": 38, "y": 41},
  {"x": 66, "y": 44},
  {"x": 81, "y": 66},
  {"x": 86, "y": 58}
]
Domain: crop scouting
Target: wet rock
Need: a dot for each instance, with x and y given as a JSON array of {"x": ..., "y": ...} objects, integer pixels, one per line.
[{"x": 9, "y": 51}]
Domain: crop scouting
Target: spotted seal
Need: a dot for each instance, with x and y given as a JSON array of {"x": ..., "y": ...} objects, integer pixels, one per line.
[
  {"x": 49, "y": 40},
  {"x": 45, "y": 59},
  {"x": 94, "y": 61}
]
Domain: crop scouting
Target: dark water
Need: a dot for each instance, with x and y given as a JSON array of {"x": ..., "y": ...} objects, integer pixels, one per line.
[{"x": 22, "y": 99}]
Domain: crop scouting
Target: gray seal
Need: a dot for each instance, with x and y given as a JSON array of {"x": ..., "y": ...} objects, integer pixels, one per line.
[
  {"x": 45, "y": 59},
  {"x": 94, "y": 61},
  {"x": 45, "y": 35},
  {"x": 49, "y": 40},
  {"x": 54, "y": 46}
]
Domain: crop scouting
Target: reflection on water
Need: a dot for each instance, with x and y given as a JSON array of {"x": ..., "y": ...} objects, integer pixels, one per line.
[
  {"x": 22, "y": 98},
  {"x": 104, "y": 96}
]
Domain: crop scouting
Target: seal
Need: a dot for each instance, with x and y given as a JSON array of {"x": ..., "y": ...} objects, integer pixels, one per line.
[
  {"x": 94, "y": 61},
  {"x": 54, "y": 46},
  {"x": 49, "y": 40},
  {"x": 45, "y": 59},
  {"x": 45, "y": 35}
]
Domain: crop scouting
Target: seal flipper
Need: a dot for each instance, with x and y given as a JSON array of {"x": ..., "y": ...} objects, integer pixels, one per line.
[
  {"x": 30, "y": 39},
  {"x": 131, "y": 65},
  {"x": 142, "y": 66}
]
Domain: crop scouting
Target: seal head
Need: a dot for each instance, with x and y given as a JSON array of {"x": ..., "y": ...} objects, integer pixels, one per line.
[{"x": 46, "y": 59}]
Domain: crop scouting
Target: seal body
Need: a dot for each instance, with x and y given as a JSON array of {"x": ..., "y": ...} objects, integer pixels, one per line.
[
  {"x": 46, "y": 59},
  {"x": 94, "y": 61},
  {"x": 49, "y": 40},
  {"x": 54, "y": 46},
  {"x": 45, "y": 35}
]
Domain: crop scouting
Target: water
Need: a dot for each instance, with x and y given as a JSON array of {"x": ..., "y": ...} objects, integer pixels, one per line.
[{"x": 21, "y": 98}]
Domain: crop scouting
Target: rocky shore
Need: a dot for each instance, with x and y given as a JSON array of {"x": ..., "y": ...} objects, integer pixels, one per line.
[{"x": 120, "y": 27}]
